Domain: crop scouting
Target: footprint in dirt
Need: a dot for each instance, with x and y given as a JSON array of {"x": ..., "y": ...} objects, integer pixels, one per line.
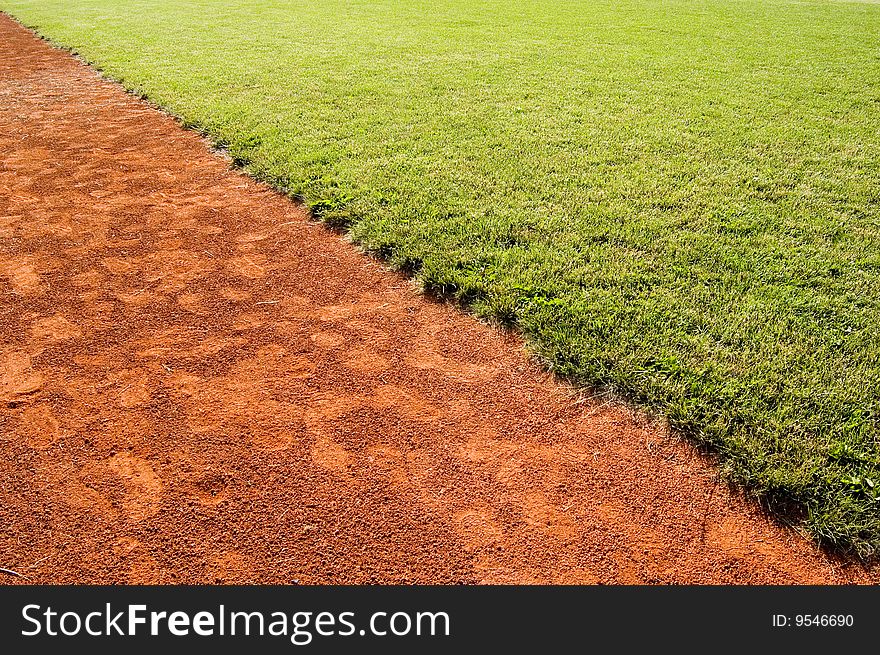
[
  {"x": 18, "y": 379},
  {"x": 40, "y": 427},
  {"x": 22, "y": 274},
  {"x": 124, "y": 484},
  {"x": 53, "y": 329}
]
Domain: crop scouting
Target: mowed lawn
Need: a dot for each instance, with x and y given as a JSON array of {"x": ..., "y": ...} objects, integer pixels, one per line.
[{"x": 676, "y": 200}]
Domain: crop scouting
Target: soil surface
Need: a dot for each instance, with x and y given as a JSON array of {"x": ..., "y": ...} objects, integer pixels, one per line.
[{"x": 198, "y": 384}]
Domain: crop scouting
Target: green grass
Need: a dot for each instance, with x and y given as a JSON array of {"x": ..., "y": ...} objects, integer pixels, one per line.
[{"x": 680, "y": 199}]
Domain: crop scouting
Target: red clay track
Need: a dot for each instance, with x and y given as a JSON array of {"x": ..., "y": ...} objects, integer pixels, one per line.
[{"x": 198, "y": 385}]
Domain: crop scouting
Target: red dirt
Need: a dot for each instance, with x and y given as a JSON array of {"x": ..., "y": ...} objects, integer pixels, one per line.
[{"x": 201, "y": 385}]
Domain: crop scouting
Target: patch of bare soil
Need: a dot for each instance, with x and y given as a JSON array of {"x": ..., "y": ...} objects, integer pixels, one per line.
[{"x": 198, "y": 384}]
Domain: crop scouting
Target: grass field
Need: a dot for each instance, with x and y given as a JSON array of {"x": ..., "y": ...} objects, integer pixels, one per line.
[{"x": 680, "y": 200}]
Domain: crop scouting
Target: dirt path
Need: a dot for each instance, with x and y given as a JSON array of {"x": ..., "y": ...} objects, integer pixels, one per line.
[{"x": 199, "y": 385}]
